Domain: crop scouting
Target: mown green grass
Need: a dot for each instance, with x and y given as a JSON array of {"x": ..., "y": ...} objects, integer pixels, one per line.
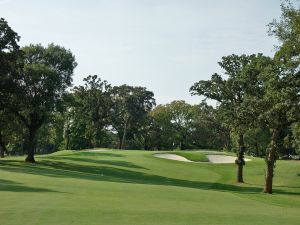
[
  {"x": 135, "y": 188},
  {"x": 192, "y": 155}
]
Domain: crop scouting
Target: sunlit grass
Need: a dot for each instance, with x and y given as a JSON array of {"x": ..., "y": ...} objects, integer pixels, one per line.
[{"x": 134, "y": 188}]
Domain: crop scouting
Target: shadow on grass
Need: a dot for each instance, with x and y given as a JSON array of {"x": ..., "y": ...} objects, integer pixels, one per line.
[
  {"x": 98, "y": 161},
  {"x": 7, "y": 185},
  {"x": 84, "y": 154},
  {"x": 52, "y": 168}
]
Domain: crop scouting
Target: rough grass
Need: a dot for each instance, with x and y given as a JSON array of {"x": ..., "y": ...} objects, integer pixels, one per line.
[
  {"x": 193, "y": 156},
  {"x": 135, "y": 188}
]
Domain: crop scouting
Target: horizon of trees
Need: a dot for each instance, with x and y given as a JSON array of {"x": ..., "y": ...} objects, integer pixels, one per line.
[{"x": 258, "y": 110}]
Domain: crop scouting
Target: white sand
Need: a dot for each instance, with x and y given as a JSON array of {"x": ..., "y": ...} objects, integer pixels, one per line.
[
  {"x": 172, "y": 157},
  {"x": 97, "y": 150},
  {"x": 211, "y": 158},
  {"x": 222, "y": 159}
]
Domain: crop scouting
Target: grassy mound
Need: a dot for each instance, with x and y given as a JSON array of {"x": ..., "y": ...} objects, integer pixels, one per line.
[
  {"x": 193, "y": 156},
  {"x": 134, "y": 188}
]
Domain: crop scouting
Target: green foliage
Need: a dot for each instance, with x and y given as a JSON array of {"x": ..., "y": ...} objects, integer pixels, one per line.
[
  {"x": 233, "y": 93},
  {"x": 91, "y": 109},
  {"x": 296, "y": 137},
  {"x": 184, "y": 126},
  {"x": 9, "y": 62},
  {"x": 130, "y": 106},
  {"x": 257, "y": 141},
  {"x": 41, "y": 85}
]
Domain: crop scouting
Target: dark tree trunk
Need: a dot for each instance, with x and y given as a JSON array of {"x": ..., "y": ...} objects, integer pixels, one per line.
[
  {"x": 240, "y": 159},
  {"x": 123, "y": 145},
  {"x": 120, "y": 143},
  {"x": 1, "y": 151},
  {"x": 2, "y": 147},
  {"x": 182, "y": 144},
  {"x": 67, "y": 136},
  {"x": 257, "y": 154},
  {"x": 67, "y": 142},
  {"x": 270, "y": 161},
  {"x": 31, "y": 144},
  {"x": 146, "y": 145}
]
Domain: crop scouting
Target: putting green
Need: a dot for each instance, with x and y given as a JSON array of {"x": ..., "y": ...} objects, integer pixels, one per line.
[{"x": 133, "y": 187}]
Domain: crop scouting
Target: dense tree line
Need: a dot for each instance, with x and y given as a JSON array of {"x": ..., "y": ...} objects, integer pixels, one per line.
[{"x": 257, "y": 111}]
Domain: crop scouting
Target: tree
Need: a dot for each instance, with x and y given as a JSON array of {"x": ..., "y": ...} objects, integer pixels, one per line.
[
  {"x": 9, "y": 62},
  {"x": 93, "y": 104},
  {"x": 181, "y": 115},
  {"x": 257, "y": 139},
  {"x": 46, "y": 75},
  {"x": 279, "y": 110},
  {"x": 232, "y": 95},
  {"x": 164, "y": 133},
  {"x": 208, "y": 132},
  {"x": 282, "y": 83},
  {"x": 9, "y": 65},
  {"x": 130, "y": 106}
]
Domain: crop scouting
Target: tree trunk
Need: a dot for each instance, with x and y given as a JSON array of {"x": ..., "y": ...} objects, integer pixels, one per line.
[
  {"x": 120, "y": 143},
  {"x": 240, "y": 159},
  {"x": 270, "y": 161},
  {"x": 2, "y": 147},
  {"x": 67, "y": 136},
  {"x": 124, "y": 134},
  {"x": 257, "y": 154},
  {"x": 67, "y": 142},
  {"x": 31, "y": 144},
  {"x": 1, "y": 151}
]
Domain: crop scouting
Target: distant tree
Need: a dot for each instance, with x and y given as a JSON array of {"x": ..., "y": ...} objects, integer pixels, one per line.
[
  {"x": 46, "y": 75},
  {"x": 257, "y": 139},
  {"x": 93, "y": 104},
  {"x": 148, "y": 134},
  {"x": 50, "y": 136},
  {"x": 163, "y": 130},
  {"x": 232, "y": 96},
  {"x": 181, "y": 114},
  {"x": 130, "y": 106},
  {"x": 181, "y": 125},
  {"x": 207, "y": 128}
]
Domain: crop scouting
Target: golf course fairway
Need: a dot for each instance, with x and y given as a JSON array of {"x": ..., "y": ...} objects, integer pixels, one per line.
[{"x": 136, "y": 188}]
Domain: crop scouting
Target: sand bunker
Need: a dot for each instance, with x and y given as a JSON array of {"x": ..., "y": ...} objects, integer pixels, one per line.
[
  {"x": 222, "y": 159},
  {"x": 172, "y": 157},
  {"x": 97, "y": 150},
  {"x": 211, "y": 158}
]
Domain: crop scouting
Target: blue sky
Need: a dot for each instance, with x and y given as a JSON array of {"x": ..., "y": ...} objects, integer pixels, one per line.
[{"x": 164, "y": 45}]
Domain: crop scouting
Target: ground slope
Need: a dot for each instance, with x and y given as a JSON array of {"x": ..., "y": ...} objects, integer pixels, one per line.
[{"x": 133, "y": 187}]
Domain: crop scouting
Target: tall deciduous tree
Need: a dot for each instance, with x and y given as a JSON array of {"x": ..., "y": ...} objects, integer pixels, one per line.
[
  {"x": 9, "y": 62},
  {"x": 46, "y": 75},
  {"x": 9, "y": 65},
  {"x": 232, "y": 95},
  {"x": 282, "y": 83}
]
